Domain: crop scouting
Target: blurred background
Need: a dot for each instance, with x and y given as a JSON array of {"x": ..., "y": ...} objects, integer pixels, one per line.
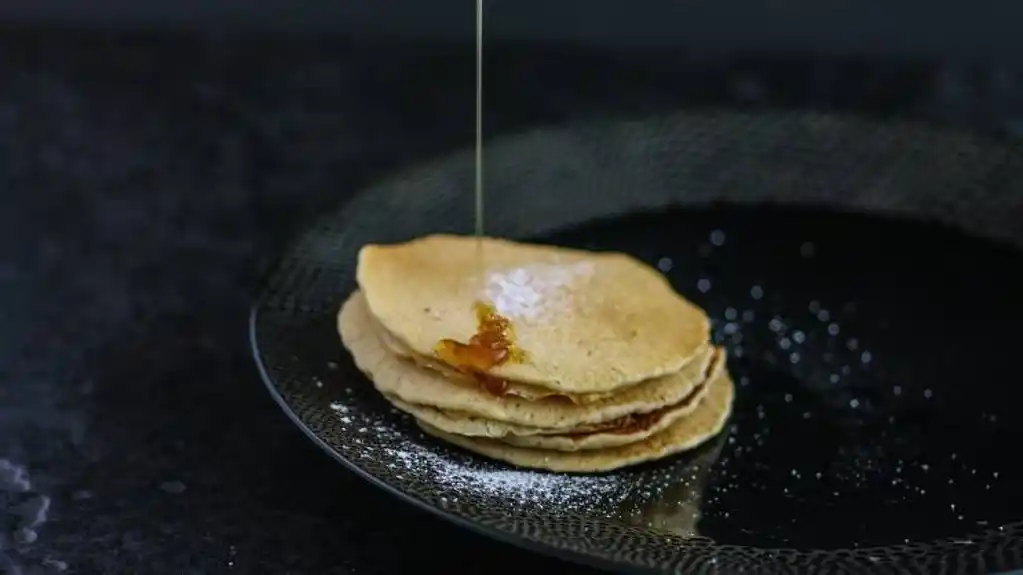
[{"x": 156, "y": 155}]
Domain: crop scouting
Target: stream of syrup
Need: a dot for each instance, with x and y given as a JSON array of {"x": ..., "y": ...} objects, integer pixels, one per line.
[{"x": 479, "y": 119}]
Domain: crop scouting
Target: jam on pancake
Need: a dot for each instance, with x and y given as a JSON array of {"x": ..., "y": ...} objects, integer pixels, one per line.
[{"x": 491, "y": 345}]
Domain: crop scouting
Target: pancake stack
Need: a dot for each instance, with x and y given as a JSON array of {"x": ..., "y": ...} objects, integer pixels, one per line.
[{"x": 539, "y": 356}]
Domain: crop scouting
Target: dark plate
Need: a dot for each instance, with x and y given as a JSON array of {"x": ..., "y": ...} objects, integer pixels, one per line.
[{"x": 877, "y": 358}]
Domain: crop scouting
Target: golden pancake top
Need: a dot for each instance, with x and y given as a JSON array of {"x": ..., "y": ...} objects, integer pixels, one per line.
[
  {"x": 569, "y": 320},
  {"x": 503, "y": 388}
]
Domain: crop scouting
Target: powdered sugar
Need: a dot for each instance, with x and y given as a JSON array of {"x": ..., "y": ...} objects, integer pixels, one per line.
[
  {"x": 469, "y": 479},
  {"x": 461, "y": 477}
]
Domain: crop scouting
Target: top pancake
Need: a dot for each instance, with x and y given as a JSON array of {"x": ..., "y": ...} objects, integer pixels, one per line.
[
  {"x": 527, "y": 391},
  {"x": 588, "y": 322}
]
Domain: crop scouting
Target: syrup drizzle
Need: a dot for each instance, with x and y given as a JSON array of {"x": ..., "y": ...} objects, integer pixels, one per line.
[{"x": 479, "y": 119}]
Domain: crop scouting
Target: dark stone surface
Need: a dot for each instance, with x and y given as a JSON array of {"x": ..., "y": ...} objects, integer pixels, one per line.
[{"x": 145, "y": 182}]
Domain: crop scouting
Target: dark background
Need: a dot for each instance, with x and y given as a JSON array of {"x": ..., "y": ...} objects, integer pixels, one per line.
[
  {"x": 981, "y": 28},
  {"x": 154, "y": 156}
]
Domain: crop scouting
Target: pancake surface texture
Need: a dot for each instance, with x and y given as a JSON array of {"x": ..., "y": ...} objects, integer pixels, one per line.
[
  {"x": 588, "y": 322},
  {"x": 538, "y": 356}
]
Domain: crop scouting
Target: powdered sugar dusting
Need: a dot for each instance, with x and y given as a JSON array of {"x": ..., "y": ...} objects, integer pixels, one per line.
[
  {"x": 566, "y": 492},
  {"x": 535, "y": 291},
  {"x": 457, "y": 477}
]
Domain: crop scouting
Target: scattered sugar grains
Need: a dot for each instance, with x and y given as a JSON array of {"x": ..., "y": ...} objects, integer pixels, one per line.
[
  {"x": 566, "y": 492},
  {"x": 465, "y": 478}
]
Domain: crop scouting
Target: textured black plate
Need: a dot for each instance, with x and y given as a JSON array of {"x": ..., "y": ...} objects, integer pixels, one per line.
[{"x": 876, "y": 357}]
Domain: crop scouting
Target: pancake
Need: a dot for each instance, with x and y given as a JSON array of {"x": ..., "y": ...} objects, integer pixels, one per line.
[
  {"x": 407, "y": 382},
  {"x": 634, "y": 429},
  {"x": 587, "y": 322},
  {"x": 622, "y": 431},
  {"x": 687, "y": 433},
  {"x": 526, "y": 391}
]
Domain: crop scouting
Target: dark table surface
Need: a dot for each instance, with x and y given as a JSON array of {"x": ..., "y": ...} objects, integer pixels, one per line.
[{"x": 145, "y": 183}]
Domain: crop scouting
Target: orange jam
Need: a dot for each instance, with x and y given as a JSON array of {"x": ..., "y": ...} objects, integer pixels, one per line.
[
  {"x": 633, "y": 423},
  {"x": 626, "y": 424},
  {"x": 491, "y": 345}
]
